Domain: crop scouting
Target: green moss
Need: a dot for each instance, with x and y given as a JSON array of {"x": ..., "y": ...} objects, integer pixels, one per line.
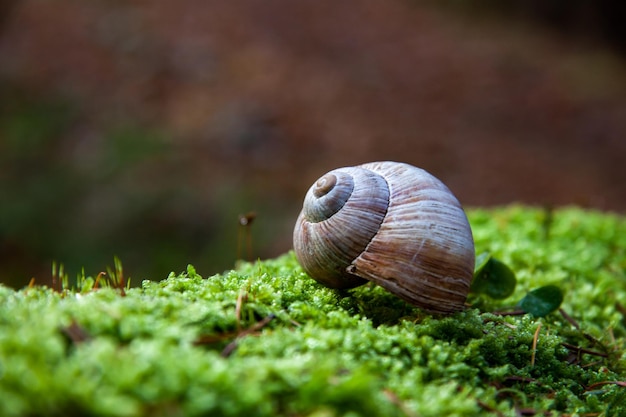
[{"x": 266, "y": 340}]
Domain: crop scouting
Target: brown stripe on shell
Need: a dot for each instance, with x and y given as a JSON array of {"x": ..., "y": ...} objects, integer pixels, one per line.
[{"x": 423, "y": 251}]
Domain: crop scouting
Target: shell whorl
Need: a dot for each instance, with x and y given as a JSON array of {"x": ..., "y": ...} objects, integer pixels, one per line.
[
  {"x": 339, "y": 218},
  {"x": 395, "y": 225}
]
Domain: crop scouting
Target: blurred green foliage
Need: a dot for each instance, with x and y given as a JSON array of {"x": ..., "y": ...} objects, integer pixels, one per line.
[{"x": 81, "y": 198}]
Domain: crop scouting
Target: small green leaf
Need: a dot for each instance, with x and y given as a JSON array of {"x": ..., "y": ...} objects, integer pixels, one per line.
[
  {"x": 481, "y": 261},
  {"x": 542, "y": 301},
  {"x": 492, "y": 277}
]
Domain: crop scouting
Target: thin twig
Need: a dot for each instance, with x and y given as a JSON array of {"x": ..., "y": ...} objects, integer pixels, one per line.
[
  {"x": 489, "y": 408},
  {"x": 520, "y": 379},
  {"x": 590, "y": 364},
  {"x": 601, "y": 383},
  {"x": 257, "y": 326},
  {"x": 230, "y": 348},
  {"x": 510, "y": 313},
  {"x": 583, "y": 350},
  {"x": 569, "y": 319}
]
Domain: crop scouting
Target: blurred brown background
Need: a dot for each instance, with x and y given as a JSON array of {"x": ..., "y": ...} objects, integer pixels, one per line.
[{"x": 144, "y": 129}]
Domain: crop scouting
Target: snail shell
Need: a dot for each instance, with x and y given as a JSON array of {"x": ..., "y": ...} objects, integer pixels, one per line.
[{"x": 390, "y": 223}]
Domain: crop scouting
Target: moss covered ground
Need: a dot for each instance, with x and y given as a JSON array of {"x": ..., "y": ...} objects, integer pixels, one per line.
[{"x": 266, "y": 340}]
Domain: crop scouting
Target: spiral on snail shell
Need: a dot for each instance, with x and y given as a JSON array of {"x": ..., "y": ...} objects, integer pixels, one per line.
[{"x": 390, "y": 223}]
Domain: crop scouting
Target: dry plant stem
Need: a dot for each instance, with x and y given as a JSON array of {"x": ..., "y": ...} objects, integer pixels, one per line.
[
  {"x": 100, "y": 275},
  {"x": 521, "y": 379},
  {"x": 591, "y": 364},
  {"x": 583, "y": 350},
  {"x": 510, "y": 313},
  {"x": 489, "y": 408},
  {"x": 244, "y": 233},
  {"x": 587, "y": 336},
  {"x": 569, "y": 319},
  {"x": 230, "y": 348},
  {"x": 612, "y": 336},
  {"x": 393, "y": 397},
  {"x": 209, "y": 339},
  {"x": 76, "y": 333},
  {"x": 535, "y": 338},
  {"x": 601, "y": 383}
]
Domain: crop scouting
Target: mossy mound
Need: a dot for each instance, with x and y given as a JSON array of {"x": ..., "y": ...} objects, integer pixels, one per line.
[{"x": 266, "y": 340}]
